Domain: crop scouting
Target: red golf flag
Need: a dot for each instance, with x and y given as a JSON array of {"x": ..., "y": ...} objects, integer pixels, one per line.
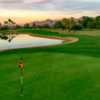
[{"x": 21, "y": 64}]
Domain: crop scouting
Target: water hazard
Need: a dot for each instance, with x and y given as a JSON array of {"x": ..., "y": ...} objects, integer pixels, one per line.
[{"x": 13, "y": 41}]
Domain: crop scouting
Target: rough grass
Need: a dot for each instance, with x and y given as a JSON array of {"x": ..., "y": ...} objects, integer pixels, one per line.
[{"x": 64, "y": 72}]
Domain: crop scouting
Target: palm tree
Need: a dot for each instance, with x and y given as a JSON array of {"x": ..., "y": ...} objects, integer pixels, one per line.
[
  {"x": 6, "y": 23},
  {"x": 69, "y": 23},
  {"x": 0, "y": 26},
  {"x": 66, "y": 23},
  {"x": 9, "y": 23}
]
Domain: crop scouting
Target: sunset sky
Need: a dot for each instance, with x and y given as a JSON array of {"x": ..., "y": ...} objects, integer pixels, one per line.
[{"x": 23, "y": 11}]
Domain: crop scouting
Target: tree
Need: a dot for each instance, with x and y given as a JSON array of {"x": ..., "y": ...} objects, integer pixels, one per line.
[
  {"x": 4, "y": 27},
  {"x": 26, "y": 26},
  {"x": 77, "y": 27},
  {"x": 9, "y": 23},
  {"x": 39, "y": 26},
  {"x": 18, "y": 26},
  {"x": 86, "y": 21},
  {"x": 6, "y": 23},
  {"x": 97, "y": 22},
  {"x": 69, "y": 23},
  {"x": 58, "y": 24},
  {"x": 91, "y": 24},
  {"x": 0, "y": 26},
  {"x": 33, "y": 25},
  {"x": 66, "y": 23},
  {"x": 45, "y": 26},
  {"x": 72, "y": 24}
]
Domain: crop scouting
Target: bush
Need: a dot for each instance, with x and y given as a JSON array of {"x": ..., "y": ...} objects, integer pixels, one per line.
[
  {"x": 77, "y": 27},
  {"x": 4, "y": 28}
]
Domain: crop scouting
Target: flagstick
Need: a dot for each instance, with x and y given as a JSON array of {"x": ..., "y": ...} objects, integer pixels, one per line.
[
  {"x": 22, "y": 83},
  {"x": 21, "y": 77}
]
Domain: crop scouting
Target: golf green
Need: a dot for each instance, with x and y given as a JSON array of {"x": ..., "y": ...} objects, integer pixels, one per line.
[{"x": 62, "y": 72}]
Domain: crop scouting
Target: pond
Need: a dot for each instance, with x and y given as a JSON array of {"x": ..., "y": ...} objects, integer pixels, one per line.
[{"x": 25, "y": 41}]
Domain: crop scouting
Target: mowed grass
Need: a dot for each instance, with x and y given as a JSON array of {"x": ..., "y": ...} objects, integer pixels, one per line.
[
  {"x": 63, "y": 72},
  {"x": 89, "y": 32}
]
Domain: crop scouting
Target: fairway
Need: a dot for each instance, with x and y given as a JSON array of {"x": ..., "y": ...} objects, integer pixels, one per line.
[{"x": 62, "y": 72}]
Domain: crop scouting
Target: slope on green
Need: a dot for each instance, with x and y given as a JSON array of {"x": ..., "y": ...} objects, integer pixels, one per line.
[{"x": 63, "y": 72}]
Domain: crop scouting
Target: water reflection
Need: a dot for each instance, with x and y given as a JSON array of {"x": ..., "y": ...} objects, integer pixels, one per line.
[
  {"x": 8, "y": 37},
  {"x": 12, "y": 41}
]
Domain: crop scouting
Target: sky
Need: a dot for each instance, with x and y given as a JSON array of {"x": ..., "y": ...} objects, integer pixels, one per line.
[{"x": 24, "y": 11}]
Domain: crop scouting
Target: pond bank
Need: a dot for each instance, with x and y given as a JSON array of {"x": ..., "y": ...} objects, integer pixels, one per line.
[
  {"x": 65, "y": 40},
  {"x": 68, "y": 39}
]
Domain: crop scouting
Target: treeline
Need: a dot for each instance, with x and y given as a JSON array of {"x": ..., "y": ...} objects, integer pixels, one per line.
[{"x": 68, "y": 24}]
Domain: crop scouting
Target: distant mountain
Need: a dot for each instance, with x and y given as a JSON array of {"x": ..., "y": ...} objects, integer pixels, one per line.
[{"x": 48, "y": 21}]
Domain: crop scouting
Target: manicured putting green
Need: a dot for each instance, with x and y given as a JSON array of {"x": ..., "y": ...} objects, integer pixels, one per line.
[{"x": 63, "y": 72}]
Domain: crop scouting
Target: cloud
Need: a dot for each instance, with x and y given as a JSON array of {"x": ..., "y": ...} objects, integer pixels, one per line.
[
  {"x": 65, "y": 6},
  {"x": 20, "y": 4},
  {"x": 3, "y": 2},
  {"x": 35, "y": 1},
  {"x": 84, "y": 0},
  {"x": 69, "y": 6}
]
